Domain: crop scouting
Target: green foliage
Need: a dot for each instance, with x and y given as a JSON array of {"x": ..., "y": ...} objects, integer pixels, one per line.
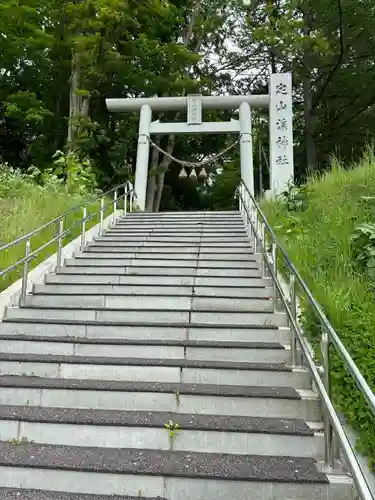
[
  {"x": 26, "y": 107},
  {"x": 325, "y": 256},
  {"x": 322, "y": 43},
  {"x": 131, "y": 48},
  {"x": 223, "y": 182},
  {"x": 295, "y": 198},
  {"x": 69, "y": 172},
  {"x": 78, "y": 174},
  {"x": 363, "y": 243}
]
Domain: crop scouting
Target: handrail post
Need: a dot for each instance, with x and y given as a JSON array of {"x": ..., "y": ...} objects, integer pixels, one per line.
[
  {"x": 114, "y": 206},
  {"x": 125, "y": 199},
  {"x": 328, "y": 431},
  {"x": 254, "y": 219},
  {"x": 101, "y": 219},
  {"x": 274, "y": 256},
  {"x": 293, "y": 310},
  {"x": 131, "y": 201},
  {"x": 243, "y": 195},
  {"x": 245, "y": 213},
  {"x": 277, "y": 296},
  {"x": 247, "y": 223},
  {"x": 263, "y": 249},
  {"x": 256, "y": 231},
  {"x": 248, "y": 212},
  {"x": 83, "y": 234},
  {"x": 25, "y": 273},
  {"x": 263, "y": 236},
  {"x": 60, "y": 244}
]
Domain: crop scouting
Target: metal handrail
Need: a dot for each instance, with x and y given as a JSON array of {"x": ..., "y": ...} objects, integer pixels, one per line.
[
  {"x": 258, "y": 222},
  {"x": 56, "y": 219},
  {"x": 128, "y": 195}
]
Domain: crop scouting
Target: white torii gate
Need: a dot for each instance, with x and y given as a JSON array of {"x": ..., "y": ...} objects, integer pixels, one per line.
[{"x": 278, "y": 101}]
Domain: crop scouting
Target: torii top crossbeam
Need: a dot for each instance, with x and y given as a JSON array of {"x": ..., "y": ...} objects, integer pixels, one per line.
[{"x": 179, "y": 103}]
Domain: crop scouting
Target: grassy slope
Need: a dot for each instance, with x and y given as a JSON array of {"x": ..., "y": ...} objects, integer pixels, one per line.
[
  {"x": 26, "y": 207},
  {"x": 318, "y": 243}
]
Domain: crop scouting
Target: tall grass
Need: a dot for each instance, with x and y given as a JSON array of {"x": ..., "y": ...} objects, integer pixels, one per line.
[
  {"x": 318, "y": 241},
  {"x": 25, "y": 206}
]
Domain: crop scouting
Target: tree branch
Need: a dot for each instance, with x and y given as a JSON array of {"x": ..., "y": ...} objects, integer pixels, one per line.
[
  {"x": 339, "y": 61},
  {"x": 349, "y": 119}
]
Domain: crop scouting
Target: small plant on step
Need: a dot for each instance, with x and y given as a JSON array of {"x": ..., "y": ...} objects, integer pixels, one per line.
[
  {"x": 139, "y": 493},
  {"x": 173, "y": 428},
  {"x": 23, "y": 440},
  {"x": 267, "y": 322}
]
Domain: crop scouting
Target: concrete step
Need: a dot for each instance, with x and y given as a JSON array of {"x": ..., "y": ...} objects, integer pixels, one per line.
[
  {"x": 146, "y": 332},
  {"x": 130, "y": 219},
  {"x": 252, "y": 352},
  {"x": 186, "y": 215},
  {"x": 73, "y": 288},
  {"x": 142, "y": 430},
  {"x": 193, "y": 221},
  {"x": 239, "y": 259},
  {"x": 205, "y": 399},
  {"x": 171, "y": 474},
  {"x": 175, "y": 233},
  {"x": 36, "y": 494},
  {"x": 173, "y": 238},
  {"x": 94, "y": 260},
  {"x": 224, "y": 252},
  {"x": 147, "y": 316},
  {"x": 154, "y": 370},
  {"x": 159, "y": 302},
  {"x": 175, "y": 246},
  {"x": 72, "y": 274},
  {"x": 180, "y": 226},
  {"x": 209, "y": 221},
  {"x": 72, "y": 266},
  {"x": 205, "y": 217},
  {"x": 55, "y": 287}
]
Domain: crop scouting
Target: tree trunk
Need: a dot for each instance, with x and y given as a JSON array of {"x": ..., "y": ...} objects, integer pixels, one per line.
[
  {"x": 78, "y": 105},
  {"x": 73, "y": 98},
  {"x": 163, "y": 166},
  {"x": 272, "y": 21},
  {"x": 151, "y": 181},
  {"x": 311, "y": 152}
]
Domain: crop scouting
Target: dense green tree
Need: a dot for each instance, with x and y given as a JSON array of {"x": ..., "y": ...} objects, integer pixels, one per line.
[{"x": 60, "y": 59}]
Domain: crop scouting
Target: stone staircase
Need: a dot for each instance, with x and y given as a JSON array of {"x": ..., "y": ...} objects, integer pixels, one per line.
[{"x": 154, "y": 365}]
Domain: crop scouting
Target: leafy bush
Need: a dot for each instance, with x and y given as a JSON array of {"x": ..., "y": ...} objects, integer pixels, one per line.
[
  {"x": 69, "y": 172},
  {"x": 295, "y": 198},
  {"x": 363, "y": 242},
  {"x": 331, "y": 261}
]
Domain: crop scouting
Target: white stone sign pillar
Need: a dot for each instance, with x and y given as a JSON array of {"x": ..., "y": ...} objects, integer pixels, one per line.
[{"x": 281, "y": 132}]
